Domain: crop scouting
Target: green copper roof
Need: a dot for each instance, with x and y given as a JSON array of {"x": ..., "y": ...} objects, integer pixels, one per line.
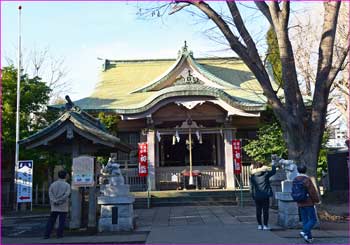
[
  {"x": 83, "y": 122},
  {"x": 132, "y": 86}
]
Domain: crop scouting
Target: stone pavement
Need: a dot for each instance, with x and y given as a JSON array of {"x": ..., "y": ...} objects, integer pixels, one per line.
[{"x": 183, "y": 224}]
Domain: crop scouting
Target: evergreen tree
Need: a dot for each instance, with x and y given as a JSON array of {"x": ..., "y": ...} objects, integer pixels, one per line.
[
  {"x": 33, "y": 117},
  {"x": 273, "y": 56}
]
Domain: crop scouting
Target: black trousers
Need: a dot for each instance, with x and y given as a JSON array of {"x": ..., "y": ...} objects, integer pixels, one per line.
[
  {"x": 51, "y": 222},
  {"x": 262, "y": 207}
]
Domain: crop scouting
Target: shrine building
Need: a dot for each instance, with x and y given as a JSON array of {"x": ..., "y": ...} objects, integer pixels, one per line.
[{"x": 169, "y": 103}]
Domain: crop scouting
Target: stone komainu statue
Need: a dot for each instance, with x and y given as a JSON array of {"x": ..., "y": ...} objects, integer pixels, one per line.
[
  {"x": 111, "y": 172},
  {"x": 289, "y": 166}
]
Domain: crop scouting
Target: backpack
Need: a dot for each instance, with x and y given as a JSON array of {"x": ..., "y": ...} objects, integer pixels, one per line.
[{"x": 299, "y": 191}]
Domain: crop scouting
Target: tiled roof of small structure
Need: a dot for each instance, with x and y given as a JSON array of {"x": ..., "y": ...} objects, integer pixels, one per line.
[{"x": 82, "y": 121}]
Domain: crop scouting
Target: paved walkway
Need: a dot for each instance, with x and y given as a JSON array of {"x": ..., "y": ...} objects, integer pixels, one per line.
[
  {"x": 182, "y": 224},
  {"x": 203, "y": 224}
]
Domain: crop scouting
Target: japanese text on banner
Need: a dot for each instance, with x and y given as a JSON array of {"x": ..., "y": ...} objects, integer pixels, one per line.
[
  {"x": 237, "y": 156},
  {"x": 143, "y": 162},
  {"x": 24, "y": 181}
]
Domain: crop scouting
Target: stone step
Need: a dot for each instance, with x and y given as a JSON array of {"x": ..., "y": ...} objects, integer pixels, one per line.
[
  {"x": 192, "y": 197},
  {"x": 183, "y": 202},
  {"x": 190, "y": 193}
]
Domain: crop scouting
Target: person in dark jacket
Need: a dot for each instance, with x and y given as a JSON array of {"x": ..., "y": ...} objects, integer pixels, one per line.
[
  {"x": 261, "y": 191},
  {"x": 307, "y": 207}
]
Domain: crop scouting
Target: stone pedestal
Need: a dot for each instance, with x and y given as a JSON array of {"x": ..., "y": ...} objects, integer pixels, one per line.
[
  {"x": 275, "y": 182},
  {"x": 288, "y": 214},
  {"x": 117, "y": 213}
]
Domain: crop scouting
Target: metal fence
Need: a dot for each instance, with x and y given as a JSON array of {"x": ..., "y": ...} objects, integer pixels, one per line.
[
  {"x": 40, "y": 195},
  {"x": 210, "y": 179}
]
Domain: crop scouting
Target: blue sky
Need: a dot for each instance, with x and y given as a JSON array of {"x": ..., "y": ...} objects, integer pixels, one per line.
[{"x": 80, "y": 32}]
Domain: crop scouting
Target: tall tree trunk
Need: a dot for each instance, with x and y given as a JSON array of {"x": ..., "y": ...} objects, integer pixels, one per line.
[{"x": 303, "y": 147}]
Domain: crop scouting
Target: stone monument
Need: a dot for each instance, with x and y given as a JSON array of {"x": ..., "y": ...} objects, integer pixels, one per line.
[
  {"x": 288, "y": 215},
  {"x": 276, "y": 184},
  {"x": 117, "y": 212}
]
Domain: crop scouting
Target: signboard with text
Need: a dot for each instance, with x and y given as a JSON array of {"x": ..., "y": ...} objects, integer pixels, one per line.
[
  {"x": 143, "y": 162},
  {"x": 83, "y": 171},
  {"x": 24, "y": 181},
  {"x": 237, "y": 156}
]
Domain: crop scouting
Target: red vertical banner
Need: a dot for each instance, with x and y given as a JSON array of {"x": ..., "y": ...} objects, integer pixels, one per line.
[
  {"x": 237, "y": 156},
  {"x": 143, "y": 163}
]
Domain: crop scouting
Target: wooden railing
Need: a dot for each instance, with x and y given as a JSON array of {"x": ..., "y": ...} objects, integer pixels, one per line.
[
  {"x": 211, "y": 177},
  {"x": 132, "y": 178},
  {"x": 125, "y": 164},
  {"x": 245, "y": 176}
]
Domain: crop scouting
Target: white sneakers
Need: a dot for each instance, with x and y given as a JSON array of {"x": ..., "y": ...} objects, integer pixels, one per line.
[
  {"x": 306, "y": 238},
  {"x": 265, "y": 227}
]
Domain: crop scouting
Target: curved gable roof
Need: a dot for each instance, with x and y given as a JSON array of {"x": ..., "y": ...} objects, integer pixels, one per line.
[
  {"x": 81, "y": 123},
  {"x": 127, "y": 86}
]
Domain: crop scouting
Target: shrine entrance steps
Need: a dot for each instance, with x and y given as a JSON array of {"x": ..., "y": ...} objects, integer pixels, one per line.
[{"x": 192, "y": 198}]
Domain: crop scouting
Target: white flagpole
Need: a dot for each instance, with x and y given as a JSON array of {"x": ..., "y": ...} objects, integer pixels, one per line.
[{"x": 18, "y": 98}]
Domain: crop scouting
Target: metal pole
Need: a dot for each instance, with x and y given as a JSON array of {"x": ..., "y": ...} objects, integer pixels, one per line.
[
  {"x": 241, "y": 187},
  {"x": 240, "y": 179},
  {"x": 240, "y": 190},
  {"x": 18, "y": 102}
]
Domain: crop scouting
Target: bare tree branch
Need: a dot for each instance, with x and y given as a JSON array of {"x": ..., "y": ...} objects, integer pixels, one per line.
[
  {"x": 327, "y": 44},
  {"x": 326, "y": 47},
  {"x": 253, "y": 52},
  {"x": 262, "y": 6},
  {"x": 294, "y": 100},
  {"x": 177, "y": 8},
  {"x": 338, "y": 65},
  {"x": 333, "y": 121},
  {"x": 275, "y": 12}
]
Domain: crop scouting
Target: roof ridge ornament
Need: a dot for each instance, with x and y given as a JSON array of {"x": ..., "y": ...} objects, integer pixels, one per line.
[
  {"x": 184, "y": 50},
  {"x": 70, "y": 106}
]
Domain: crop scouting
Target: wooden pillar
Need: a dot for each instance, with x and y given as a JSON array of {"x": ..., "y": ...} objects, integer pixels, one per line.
[
  {"x": 214, "y": 149},
  {"x": 230, "y": 183},
  {"x": 151, "y": 158},
  {"x": 162, "y": 156},
  {"x": 92, "y": 206},
  {"x": 219, "y": 149},
  {"x": 156, "y": 153},
  {"x": 75, "y": 208}
]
